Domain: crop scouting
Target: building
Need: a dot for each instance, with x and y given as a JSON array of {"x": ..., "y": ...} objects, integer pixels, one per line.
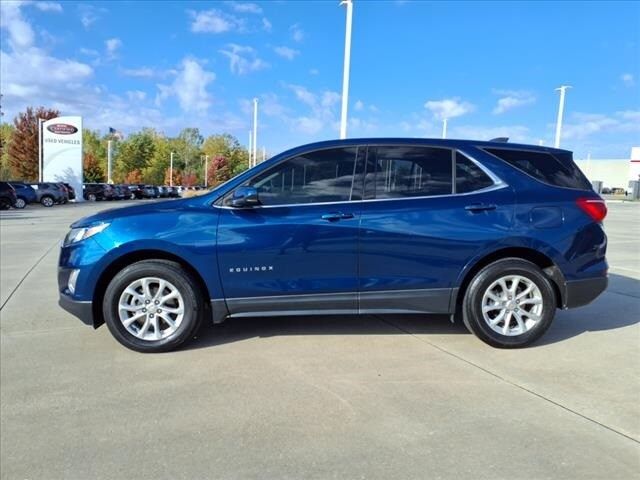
[{"x": 613, "y": 173}]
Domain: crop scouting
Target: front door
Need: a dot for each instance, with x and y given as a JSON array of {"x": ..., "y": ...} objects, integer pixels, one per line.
[{"x": 297, "y": 250}]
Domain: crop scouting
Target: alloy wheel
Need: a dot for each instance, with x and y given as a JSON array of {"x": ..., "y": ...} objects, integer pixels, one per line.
[
  {"x": 151, "y": 308},
  {"x": 512, "y": 305}
]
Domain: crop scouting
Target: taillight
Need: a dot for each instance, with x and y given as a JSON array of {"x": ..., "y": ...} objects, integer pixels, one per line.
[{"x": 595, "y": 208}]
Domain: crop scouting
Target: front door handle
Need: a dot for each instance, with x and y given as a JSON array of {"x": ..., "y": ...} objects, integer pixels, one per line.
[
  {"x": 480, "y": 207},
  {"x": 335, "y": 216}
]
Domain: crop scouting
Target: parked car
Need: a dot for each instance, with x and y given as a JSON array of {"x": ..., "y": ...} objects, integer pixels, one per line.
[
  {"x": 493, "y": 234},
  {"x": 71, "y": 191},
  {"x": 606, "y": 191},
  {"x": 119, "y": 192},
  {"x": 49, "y": 194},
  {"x": 135, "y": 191},
  {"x": 65, "y": 192},
  {"x": 25, "y": 194},
  {"x": 7, "y": 196},
  {"x": 163, "y": 192},
  {"x": 149, "y": 191},
  {"x": 173, "y": 192},
  {"x": 97, "y": 191}
]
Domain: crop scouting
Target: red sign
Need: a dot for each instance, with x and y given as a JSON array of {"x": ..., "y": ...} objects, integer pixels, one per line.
[{"x": 62, "y": 129}]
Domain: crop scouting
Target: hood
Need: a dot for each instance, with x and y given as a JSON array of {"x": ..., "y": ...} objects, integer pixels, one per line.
[{"x": 156, "y": 207}]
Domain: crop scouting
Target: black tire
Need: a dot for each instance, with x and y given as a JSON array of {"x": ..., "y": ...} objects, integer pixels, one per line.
[
  {"x": 20, "y": 203},
  {"x": 472, "y": 304},
  {"x": 166, "y": 270},
  {"x": 5, "y": 204},
  {"x": 92, "y": 197},
  {"x": 47, "y": 201}
]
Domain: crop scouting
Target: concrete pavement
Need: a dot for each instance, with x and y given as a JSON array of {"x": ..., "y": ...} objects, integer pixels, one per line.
[{"x": 335, "y": 397}]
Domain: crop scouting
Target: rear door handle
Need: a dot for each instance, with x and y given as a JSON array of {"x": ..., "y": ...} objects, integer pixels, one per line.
[
  {"x": 335, "y": 216},
  {"x": 480, "y": 207}
]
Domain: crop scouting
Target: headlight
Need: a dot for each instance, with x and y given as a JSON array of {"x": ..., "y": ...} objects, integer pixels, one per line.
[{"x": 78, "y": 234}]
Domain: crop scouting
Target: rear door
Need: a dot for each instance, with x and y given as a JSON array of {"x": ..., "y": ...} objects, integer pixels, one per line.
[
  {"x": 427, "y": 212},
  {"x": 297, "y": 251}
]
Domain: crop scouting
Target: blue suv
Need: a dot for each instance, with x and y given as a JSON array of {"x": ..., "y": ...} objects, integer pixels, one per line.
[{"x": 497, "y": 235}]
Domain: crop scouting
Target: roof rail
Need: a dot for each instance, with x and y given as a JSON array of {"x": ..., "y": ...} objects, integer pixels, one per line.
[{"x": 500, "y": 139}]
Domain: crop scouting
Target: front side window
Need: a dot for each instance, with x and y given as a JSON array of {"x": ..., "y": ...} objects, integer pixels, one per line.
[
  {"x": 404, "y": 171},
  {"x": 315, "y": 177},
  {"x": 469, "y": 176}
]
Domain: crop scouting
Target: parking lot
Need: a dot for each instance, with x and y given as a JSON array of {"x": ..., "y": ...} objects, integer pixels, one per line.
[{"x": 331, "y": 397}]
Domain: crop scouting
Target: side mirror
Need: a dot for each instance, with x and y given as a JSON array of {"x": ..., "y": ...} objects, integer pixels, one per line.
[{"x": 245, "y": 197}]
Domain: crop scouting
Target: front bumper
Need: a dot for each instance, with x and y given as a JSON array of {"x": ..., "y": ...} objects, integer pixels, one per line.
[
  {"x": 582, "y": 292},
  {"x": 81, "y": 309}
]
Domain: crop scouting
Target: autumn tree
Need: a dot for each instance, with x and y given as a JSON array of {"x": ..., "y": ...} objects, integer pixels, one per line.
[
  {"x": 134, "y": 177},
  {"x": 23, "y": 149},
  {"x": 6, "y": 133},
  {"x": 218, "y": 171},
  {"x": 93, "y": 172},
  {"x": 227, "y": 147}
]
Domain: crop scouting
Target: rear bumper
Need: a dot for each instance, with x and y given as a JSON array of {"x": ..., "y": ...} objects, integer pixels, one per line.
[
  {"x": 81, "y": 309},
  {"x": 582, "y": 292}
]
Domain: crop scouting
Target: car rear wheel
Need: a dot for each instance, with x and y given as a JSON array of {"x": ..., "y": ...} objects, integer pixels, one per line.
[
  {"x": 20, "y": 203},
  {"x": 92, "y": 197},
  {"x": 47, "y": 201},
  {"x": 509, "y": 303},
  {"x": 152, "y": 306}
]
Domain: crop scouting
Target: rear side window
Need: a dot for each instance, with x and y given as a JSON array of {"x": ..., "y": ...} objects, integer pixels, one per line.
[
  {"x": 557, "y": 171},
  {"x": 469, "y": 176},
  {"x": 402, "y": 172},
  {"x": 314, "y": 177}
]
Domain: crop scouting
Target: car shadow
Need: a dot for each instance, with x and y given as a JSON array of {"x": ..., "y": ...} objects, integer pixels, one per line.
[{"x": 565, "y": 326}]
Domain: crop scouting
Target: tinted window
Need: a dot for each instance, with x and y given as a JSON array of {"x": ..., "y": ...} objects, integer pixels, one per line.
[
  {"x": 400, "y": 172},
  {"x": 469, "y": 176},
  {"x": 560, "y": 172},
  {"x": 314, "y": 177}
]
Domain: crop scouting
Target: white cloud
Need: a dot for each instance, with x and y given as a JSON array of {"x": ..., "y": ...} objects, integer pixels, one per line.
[
  {"x": 20, "y": 32},
  {"x": 48, "y": 6},
  {"x": 112, "y": 46},
  {"x": 322, "y": 110},
  {"x": 142, "y": 72},
  {"x": 329, "y": 98},
  {"x": 286, "y": 52},
  {"x": 511, "y": 99},
  {"x": 89, "y": 14},
  {"x": 242, "y": 7},
  {"x": 89, "y": 51},
  {"x": 358, "y": 106},
  {"x": 214, "y": 21},
  {"x": 190, "y": 87},
  {"x": 628, "y": 79},
  {"x": 448, "y": 108},
  {"x": 515, "y": 133},
  {"x": 136, "y": 95},
  {"x": 243, "y": 59},
  {"x": 314, "y": 71},
  {"x": 309, "y": 125},
  {"x": 296, "y": 32},
  {"x": 266, "y": 25},
  {"x": 583, "y": 125}
]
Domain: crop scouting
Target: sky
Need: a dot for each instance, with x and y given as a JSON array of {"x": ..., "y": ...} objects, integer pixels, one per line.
[{"x": 491, "y": 68}]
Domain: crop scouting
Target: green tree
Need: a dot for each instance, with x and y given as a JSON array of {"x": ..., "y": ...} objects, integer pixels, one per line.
[
  {"x": 159, "y": 162},
  {"x": 6, "y": 133},
  {"x": 227, "y": 147},
  {"x": 23, "y": 149},
  {"x": 135, "y": 153},
  {"x": 188, "y": 149}
]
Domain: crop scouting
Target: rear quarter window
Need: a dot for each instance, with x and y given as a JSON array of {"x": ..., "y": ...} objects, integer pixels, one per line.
[{"x": 559, "y": 171}]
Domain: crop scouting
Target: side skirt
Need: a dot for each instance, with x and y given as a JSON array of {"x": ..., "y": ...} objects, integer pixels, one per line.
[{"x": 426, "y": 301}]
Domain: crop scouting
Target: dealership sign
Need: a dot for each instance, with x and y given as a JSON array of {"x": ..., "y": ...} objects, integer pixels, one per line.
[{"x": 62, "y": 152}]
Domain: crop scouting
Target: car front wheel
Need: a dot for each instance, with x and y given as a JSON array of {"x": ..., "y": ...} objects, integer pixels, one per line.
[
  {"x": 152, "y": 306},
  {"x": 47, "y": 201},
  {"x": 20, "y": 203},
  {"x": 509, "y": 303}
]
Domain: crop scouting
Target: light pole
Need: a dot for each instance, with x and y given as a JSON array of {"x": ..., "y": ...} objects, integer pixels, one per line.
[
  {"x": 345, "y": 71},
  {"x": 255, "y": 131},
  {"x": 206, "y": 170},
  {"x": 250, "y": 148},
  {"x": 171, "y": 171},
  {"x": 562, "y": 90},
  {"x": 40, "y": 157},
  {"x": 444, "y": 128}
]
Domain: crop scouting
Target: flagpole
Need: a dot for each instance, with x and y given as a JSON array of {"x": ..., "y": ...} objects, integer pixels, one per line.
[{"x": 40, "y": 156}]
